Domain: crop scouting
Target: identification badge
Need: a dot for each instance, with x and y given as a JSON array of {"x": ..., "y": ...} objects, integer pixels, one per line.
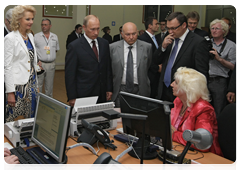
[{"x": 48, "y": 51}]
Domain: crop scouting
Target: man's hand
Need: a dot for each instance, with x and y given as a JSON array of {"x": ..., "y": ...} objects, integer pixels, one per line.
[
  {"x": 11, "y": 159},
  {"x": 167, "y": 41},
  {"x": 108, "y": 96},
  {"x": 231, "y": 97},
  {"x": 72, "y": 102},
  {"x": 160, "y": 68},
  {"x": 173, "y": 129}
]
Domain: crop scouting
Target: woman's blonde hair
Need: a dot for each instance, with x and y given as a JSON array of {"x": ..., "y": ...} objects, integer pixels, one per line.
[
  {"x": 193, "y": 83},
  {"x": 18, "y": 13}
]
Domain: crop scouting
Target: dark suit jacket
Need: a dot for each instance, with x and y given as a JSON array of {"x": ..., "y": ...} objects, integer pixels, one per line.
[
  {"x": 108, "y": 38},
  {"x": 116, "y": 38},
  {"x": 153, "y": 73},
  {"x": 193, "y": 54},
  {"x": 5, "y": 32},
  {"x": 231, "y": 36},
  {"x": 71, "y": 37},
  {"x": 84, "y": 75},
  {"x": 200, "y": 32},
  {"x": 232, "y": 82}
]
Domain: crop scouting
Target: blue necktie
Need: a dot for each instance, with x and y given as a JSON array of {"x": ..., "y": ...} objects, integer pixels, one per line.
[
  {"x": 167, "y": 75},
  {"x": 155, "y": 41}
]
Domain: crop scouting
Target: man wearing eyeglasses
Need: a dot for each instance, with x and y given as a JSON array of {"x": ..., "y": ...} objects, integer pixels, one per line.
[
  {"x": 164, "y": 31},
  {"x": 224, "y": 60},
  {"x": 7, "y": 22},
  {"x": 181, "y": 48},
  {"x": 47, "y": 45}
]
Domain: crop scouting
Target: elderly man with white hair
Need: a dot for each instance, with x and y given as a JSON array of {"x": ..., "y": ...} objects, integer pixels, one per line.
[
  {"x": 224, "y": 60},
  {"x": 7, "y": 21}
]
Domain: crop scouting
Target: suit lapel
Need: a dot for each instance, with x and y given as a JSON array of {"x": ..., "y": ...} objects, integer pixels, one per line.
[
  {"x": 139, "y": 52},
  {"x": 120, "y": 50},
  {"x": 184, "y": 47},
  {"x": 21, "y": 41},
  {"x": 86, "y": 46}
]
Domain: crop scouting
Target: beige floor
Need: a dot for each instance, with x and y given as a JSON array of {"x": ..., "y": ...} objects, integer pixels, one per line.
[{"x": 59, "y": 90}]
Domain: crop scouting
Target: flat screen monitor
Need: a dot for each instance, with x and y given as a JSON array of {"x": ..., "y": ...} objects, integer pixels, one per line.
[
  {"x": 157, "y": 124},
  {"x": 51, "y": 126}
]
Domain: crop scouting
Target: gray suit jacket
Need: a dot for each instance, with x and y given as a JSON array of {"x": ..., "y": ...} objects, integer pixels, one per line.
[{"x": 144, "y": 58}]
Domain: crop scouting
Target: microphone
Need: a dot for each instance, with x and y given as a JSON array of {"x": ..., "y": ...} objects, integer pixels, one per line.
[{"x": 201, "y": 138}]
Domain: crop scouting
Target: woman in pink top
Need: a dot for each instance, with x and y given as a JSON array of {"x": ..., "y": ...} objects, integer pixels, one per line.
[{"x": 192, "y": 109}]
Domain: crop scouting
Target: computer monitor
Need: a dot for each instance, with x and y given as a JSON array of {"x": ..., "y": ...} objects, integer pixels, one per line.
[
  {"x": 51, "y": 125},
  {"x": 157, "y": 124}
]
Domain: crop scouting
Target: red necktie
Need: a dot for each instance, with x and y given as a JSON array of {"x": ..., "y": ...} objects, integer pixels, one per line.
[{"x": 94, "y": 47}]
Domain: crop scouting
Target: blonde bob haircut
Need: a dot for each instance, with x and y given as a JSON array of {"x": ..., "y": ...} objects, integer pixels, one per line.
[
  {"x": 18, "y": 13},
  {"x": 224, "y": 25},
  {"x": 193, "y": 83}
]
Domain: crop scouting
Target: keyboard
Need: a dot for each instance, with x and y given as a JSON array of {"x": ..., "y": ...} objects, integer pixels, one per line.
[{"x": 23, "y": 156}]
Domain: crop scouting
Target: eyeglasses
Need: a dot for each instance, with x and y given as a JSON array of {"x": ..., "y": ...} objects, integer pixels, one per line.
[
  {"x": 174, "y": 28},
  {"x": 9, "y": 21},
  {"x": 217, "y": 29}
]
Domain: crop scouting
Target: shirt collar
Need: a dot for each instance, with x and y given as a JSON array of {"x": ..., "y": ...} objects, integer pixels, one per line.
[
  {"x": 88, "y": 39},
  {"x": 182, "y": 38},
  {"x": 126, "y": 45},
  {"x": 218, "y": 44},
  {"x": 151, "y": 35}
]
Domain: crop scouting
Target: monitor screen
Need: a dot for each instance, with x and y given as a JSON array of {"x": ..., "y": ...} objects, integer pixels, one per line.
[
  {"x": 158, "y": 123},
  {"x": 51, "y": 126}
]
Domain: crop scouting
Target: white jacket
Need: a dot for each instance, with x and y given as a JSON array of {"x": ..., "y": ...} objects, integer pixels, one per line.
[{"x": 16, "y": 60}]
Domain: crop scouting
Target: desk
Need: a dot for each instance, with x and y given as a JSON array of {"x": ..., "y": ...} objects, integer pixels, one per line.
[{"x": 80, "y": 155}]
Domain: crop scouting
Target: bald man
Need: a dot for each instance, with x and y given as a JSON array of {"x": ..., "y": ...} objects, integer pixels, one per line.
[
  {"x": 131, "y": 59},
  {"x": 87, "y": 65}
]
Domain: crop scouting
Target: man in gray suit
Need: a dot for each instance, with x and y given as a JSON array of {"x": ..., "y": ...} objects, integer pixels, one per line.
[{"x": 131, "y": 59}]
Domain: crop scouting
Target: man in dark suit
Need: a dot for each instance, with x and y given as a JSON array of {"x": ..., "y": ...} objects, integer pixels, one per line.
[
  {"x": 163, "y": 33},
  {"x": 7, "y": 21},
  {"x": 87, "y": 65},
  {"x": 231, "y": 36},
  {"x": 181, "y": 48},
  {"x": 152, "y": 26},
  {"x": 75, "y": 34},
  {"x": 118, "y": 37},
  {"x": 193, "y": 19}
]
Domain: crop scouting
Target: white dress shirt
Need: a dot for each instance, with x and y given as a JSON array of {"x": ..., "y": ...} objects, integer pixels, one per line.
[{"x": 134, "y": 54}]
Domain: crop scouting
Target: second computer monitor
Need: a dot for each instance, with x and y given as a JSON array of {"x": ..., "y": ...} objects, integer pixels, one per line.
[{"x": 158, "y": 122}]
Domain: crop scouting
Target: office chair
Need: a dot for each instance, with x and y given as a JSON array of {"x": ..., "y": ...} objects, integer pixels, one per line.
[{"x": 227, "y": 131}]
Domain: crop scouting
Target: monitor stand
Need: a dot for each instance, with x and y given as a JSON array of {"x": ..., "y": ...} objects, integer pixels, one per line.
[
  {"x": 147, "y": 155},
  {"x": 43, "y": 157}
]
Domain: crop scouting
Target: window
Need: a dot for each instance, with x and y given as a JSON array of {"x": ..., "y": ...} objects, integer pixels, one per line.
[
  {"x": 160, "y": 12},
  {"x": 58, "y": 11}
]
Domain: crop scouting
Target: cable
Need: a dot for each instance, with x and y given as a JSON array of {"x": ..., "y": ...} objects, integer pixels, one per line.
[
  {"x": 98, "y": 147},
  {"x": 82, "y": 144},
  {"x": 123, "y": 153}
]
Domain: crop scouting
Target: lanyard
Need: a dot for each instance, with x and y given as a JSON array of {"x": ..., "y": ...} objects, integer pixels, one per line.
[{"x": 46, "y": 39}]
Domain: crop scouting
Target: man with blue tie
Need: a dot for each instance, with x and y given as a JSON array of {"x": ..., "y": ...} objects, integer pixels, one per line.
[
  {"x": 152, "y": 26},
  {"x": 181, "y": 48}
]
